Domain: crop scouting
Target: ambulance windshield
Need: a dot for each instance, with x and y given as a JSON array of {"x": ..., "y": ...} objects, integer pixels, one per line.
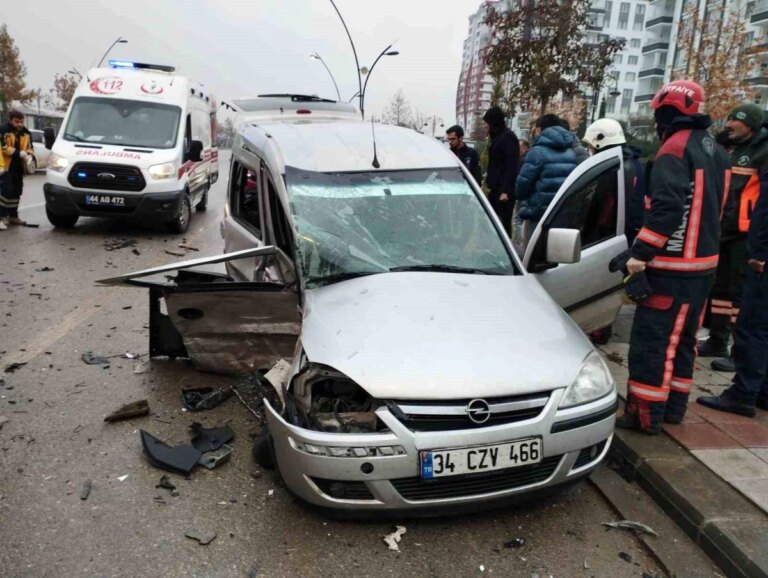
[{"x": 111, "y": 121}]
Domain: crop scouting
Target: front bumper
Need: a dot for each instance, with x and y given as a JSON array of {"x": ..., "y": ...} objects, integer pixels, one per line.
[
  {"x": 65, "y": 201},
  {"x": 580, "y": 441}
]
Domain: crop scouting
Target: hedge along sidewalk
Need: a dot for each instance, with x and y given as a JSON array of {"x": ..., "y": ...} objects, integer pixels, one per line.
[{"x": 701, "y": 473}]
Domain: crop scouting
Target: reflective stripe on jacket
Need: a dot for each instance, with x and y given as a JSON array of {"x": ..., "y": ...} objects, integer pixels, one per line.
[
  {"x": 747, "y": 159},
  {"x": 8, "y": 145}
]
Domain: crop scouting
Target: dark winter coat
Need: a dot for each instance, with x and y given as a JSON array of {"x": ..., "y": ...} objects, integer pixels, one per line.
[
  {"x": 471, "y": 160},
  {"x": 548, "y": 163},
  {"x": 681, "y": 231},
  {"x": 748, "y": 160},
  {"x": 503, "y": 156}
]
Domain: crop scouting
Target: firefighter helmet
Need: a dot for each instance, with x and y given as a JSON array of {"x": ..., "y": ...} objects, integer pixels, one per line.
[{"x": 684, "y": 95}]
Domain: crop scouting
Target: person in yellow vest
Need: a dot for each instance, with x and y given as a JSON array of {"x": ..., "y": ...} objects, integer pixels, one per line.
[{"x": 16, "y": 143}]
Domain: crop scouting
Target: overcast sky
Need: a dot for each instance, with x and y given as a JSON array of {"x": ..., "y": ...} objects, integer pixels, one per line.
[{"x": 241, "y": 48}]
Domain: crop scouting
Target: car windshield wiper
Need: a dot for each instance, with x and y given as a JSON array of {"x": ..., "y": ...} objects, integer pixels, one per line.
[
  {"x": 70, "y": 136},
  {"x": 442, "y": 269},
  {"x": 338, "y": 277}
]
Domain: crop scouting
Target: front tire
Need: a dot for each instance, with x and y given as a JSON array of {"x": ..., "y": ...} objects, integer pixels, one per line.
[
  {"x": 180, "y": 222},
  {"x": 202, "y": 204},
  {"x": 61, "y": 221}
]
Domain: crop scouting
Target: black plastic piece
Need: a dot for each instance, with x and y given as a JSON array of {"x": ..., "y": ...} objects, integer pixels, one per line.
[
  {"x": 209, "y": 439},
  {"x": 201, "y": 398},
  {"x": 178, "y": 459}
]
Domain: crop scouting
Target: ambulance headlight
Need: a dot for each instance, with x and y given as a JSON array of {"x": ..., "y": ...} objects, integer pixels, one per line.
[
  {"x": 57, "y": 164},
  {"x": 163, "y": 171},
  {"x": 593, "y": 381}
]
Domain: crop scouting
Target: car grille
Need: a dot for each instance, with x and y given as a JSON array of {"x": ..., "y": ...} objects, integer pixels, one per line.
[
  {"x": 344, "y": 490},
  {"x": 124, "y": 178},
  {"x": 452, "y": 414},
  {"x": 589, "y": 454},
  {"x": 476, "y": 484}
]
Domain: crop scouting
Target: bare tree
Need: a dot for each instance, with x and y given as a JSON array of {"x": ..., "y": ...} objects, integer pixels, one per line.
[
  {"x": 715, "y": 51},
  {"x": 539, "y": 50},
  {"x": 12, "y": 72},
  {"x": 398, "y": 111},
  {"x": 65, "y": 85},
  {"x": 418, "y": 120}
]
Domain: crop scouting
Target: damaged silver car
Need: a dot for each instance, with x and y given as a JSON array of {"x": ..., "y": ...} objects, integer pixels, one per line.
[{"x": 430, "y": 368}]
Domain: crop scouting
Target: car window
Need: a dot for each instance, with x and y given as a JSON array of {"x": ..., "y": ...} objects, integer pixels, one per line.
[
  {"x": 349, "y": 223},
  {"x": 245, "y": 198},
  {"x": 37, "y": 136}
]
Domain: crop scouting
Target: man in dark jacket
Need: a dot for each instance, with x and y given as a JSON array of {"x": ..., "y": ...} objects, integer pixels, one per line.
[
  {"x": 547, "y": 164},
  {"x": 503, "y": 155},
  {"x": 749, "y": 156},
  {"x": 467, "y": 155},
  {"x": 750, "y": 348},
  {"x": 677, "y": 249},
  {"x": 16, "y": 148}
]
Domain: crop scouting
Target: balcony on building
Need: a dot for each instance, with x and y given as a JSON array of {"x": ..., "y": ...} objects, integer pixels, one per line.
[
  {"x": 656, "y": 44},
  {"x": 597, "y": 6},
  {"x": 660, "y": 14},
  {"x": 759, "y": 15}
]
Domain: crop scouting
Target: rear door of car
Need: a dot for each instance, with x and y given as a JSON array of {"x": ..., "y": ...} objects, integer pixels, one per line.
[
  {"x": 591, "y": 200},
  {"x": 222, "y": 325}
]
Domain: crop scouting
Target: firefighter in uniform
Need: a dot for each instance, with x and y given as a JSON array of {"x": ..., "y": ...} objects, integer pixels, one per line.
[
  {"x": 750, "y": 347},
  {"x": 750, "y": 154},
  {"x": 677, "y": 249}
]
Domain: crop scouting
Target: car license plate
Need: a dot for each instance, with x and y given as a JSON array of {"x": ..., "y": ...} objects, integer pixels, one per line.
[
  {"x": 108, "y": 200},
  {"x": 474, "y": 460}
]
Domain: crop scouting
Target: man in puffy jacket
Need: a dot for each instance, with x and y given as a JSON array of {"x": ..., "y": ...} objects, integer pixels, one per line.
[
  {"x": 749, "y": 156},
  {"x": 548, "y": 163},
  {"x": 503, "y": 156},
  {"x": 677, "y": 249}
]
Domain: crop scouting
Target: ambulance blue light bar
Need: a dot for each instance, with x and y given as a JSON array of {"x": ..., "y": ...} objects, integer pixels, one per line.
[{"x": 140, "y": 66}]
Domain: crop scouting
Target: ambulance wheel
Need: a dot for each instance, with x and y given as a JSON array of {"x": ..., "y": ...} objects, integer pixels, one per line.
[
  {"x": 180, "y": 222},
  {"x": 202, "y": 204},
  {"x": 62, "y": 221}
]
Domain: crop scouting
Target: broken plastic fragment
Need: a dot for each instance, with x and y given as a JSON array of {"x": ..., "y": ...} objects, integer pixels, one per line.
[
  {"x": 86, "y": 490},
  {"x": 204, "y": 538},
  {"x": 634, "y": 526},
  {"x": 215, "y": 458},
  {"x": 391, "y": 540},
  {"x": 201, "y": 398},
  {"x": 209, "y": 439},
  {"x": 181, "y": 459},
  {"x": 92, "y": 359},
  {"x": 123, "y": 478},
  {"x": 165, "y": 483},
  {"x": 133, "y": 409},
  {"x": 278, "y": 377}
]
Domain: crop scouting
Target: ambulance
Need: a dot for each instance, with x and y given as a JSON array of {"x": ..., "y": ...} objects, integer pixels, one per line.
[{"x": 137, "y": 143}]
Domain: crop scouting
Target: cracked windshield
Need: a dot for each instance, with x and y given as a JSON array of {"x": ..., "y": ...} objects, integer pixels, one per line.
[{"x": 356, "y": 224}]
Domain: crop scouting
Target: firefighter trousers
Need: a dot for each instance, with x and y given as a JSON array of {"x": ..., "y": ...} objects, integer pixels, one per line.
[
  {"x": 662, "y": 349},
  {"x": 727, "y": 291}
]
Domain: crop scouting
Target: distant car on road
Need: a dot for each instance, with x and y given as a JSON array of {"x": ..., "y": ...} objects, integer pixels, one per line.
[{"x": 40, "y": 153}]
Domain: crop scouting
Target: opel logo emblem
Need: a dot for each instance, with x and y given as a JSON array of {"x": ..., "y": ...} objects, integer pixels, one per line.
[
  {"x": 478, "y": 411},
  {"x": 106, "y": 176}
]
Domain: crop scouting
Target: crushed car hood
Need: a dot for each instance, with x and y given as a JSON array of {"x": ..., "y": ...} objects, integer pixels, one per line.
[{"x": 443, "y": 335}]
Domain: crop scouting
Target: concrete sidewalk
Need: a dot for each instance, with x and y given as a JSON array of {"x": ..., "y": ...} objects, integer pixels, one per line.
[{"x": 710, "y": 473}]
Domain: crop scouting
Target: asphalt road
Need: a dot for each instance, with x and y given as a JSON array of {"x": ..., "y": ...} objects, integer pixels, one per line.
[{"x": 55, "y": 439}]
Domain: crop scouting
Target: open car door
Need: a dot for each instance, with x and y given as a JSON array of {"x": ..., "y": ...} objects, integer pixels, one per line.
[
  {"x": 592, "y": 201},
  {"x": 223, "y": 326}
]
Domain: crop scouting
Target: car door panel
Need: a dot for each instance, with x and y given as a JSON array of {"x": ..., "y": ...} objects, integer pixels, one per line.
[{"x": 590, "y": 293}]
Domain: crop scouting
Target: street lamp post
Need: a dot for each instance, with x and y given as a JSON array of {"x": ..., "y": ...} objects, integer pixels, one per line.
[
  {"x": 385, "y": 52},
  {"x": 434, "y": 120},
  {"x": 120, "y": 40},
  {"x": 357, "y": 62},
  {"x": 316, "y": 56},
  {"x": 608, "y": 82}
]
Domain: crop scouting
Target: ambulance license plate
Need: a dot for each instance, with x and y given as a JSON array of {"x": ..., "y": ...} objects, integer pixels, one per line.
[{"x": 105, "y": 200}]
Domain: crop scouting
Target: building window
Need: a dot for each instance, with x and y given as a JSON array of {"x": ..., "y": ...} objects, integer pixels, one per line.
[
  {"x": 618, "y": 58},
  {"x": 634, "y": 43},
  {"x": 632, "y": 60},
  {"x": 624, "y": 15},
  {"x": 608, "y": 10},
  {"x": 630, "y": 77},
  {"x": 637, "y": 25},
  {"x": 626, "y": 100},
  {"x": 610, "y": 106}
]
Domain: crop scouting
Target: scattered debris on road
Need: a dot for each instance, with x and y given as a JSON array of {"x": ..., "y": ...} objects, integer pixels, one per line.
[
  {"x": 166, "y": 483},
  {"x": 516, "y": 543},
  {"x": 391, "y": 540},
  {"x": 86, "y": 490},
  {"x": 135, "y": 251},
  {"x": 626, "y": 557},
  {"x": 115, "y": 244},
  {"x": 202, "y": 398},
  {"x": 92, "y": 359},
  {"x": 615, "y": 357},
  {"x": 204, "y": 538},
  {"x": 134, "y": 409},
  {"x": 11, "y": 367},
  {"x": 187, "y": 247},
  {"x": 214, "y": 459},
  {"x": 174, "y": 253},
  {"x": 45, "y": 269},
  {"x": 142, "y": 367},
  {"x": 210, "y": 439},
  {"x": 123, "y": 478},
  {"x": 636, "y": 527},
  {"x": 180, "y": 459}
]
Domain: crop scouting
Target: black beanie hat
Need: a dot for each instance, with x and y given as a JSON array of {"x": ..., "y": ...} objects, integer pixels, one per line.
[{"x": 494, "y": 116}]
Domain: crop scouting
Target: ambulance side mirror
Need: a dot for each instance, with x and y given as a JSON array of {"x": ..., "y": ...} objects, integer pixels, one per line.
[
  {"x": 49, "y": 137},
  {"x": 196, "y": 151}
]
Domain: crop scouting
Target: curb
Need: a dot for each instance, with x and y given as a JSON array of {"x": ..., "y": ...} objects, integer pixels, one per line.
[{"x": 718, "y": 518}]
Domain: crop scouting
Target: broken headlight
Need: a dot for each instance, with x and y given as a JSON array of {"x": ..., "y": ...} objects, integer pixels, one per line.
[
  {"x": 349, "y": 452},
  {"x": 334, "y": 403}
]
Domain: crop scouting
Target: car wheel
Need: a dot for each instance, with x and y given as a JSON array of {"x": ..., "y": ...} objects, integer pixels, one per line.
[
  {"x": 34, "y": 165},
  {"x": 62, "y": 221},
  {"x": 180, "y": 222},
  {"x": 262, "y": 451},
  {"x": 202, "y": 204}
]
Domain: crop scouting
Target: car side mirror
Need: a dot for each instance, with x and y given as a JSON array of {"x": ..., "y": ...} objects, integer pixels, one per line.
[
  {"x": 563, "y": 246},
  {"x": 196, "y": 151},
  {"x": 49, "y": 137}
]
